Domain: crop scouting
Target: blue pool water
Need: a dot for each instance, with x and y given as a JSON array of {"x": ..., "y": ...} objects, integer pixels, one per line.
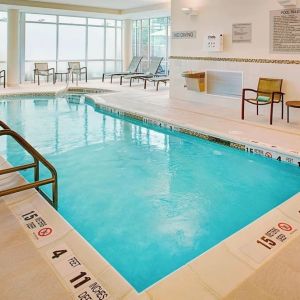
[{"x": 149, "y": 200}]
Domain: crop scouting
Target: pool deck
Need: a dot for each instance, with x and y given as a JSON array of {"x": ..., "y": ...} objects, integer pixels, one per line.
[{"x": 237, "y": 268}]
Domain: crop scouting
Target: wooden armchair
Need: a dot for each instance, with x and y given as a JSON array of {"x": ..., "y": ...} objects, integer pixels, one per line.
[
  {"x": 75, "y": 68},
  {"x": 3, "y": 75},
  {"x": 268, "y": 92},
  {"x": 42, "y": 69}
]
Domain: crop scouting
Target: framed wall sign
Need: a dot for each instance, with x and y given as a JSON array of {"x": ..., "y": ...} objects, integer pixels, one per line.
[
  {"x": 242, "y": 33},
  {"x": 285, "y": 31}
]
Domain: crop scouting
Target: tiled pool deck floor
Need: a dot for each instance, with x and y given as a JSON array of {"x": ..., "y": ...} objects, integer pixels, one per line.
[{"x": 238, "y": 268}]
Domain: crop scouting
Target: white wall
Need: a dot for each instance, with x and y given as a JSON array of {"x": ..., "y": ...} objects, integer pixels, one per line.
[{"x": 217, "y": 16}]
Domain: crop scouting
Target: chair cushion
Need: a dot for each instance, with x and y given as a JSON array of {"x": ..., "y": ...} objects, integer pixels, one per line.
[{"x": 263, "y": 99}]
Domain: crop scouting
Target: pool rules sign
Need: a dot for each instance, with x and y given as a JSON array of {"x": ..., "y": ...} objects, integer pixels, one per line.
[{"x": 285, "y": 31}]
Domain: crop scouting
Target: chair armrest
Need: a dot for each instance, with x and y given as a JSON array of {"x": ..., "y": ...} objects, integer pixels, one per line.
[
  {"x": 250, "y": 90},
  {"x": 83, "y": 68},
  {"x": 278, "y": 93},
  {"x": 51, "y": 69},
  {"x": 2, "y": 71}
]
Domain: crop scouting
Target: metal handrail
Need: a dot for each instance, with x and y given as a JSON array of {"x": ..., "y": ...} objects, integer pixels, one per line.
[{"x": 38, "y": 158}]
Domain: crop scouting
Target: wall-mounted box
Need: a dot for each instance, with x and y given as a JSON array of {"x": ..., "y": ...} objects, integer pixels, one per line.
[
  {"x": 214, "y": 42},
  {"x": 195, "y": 81}
]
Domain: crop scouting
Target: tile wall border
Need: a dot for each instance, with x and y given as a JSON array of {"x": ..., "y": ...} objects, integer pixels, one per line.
[{"x": 238, "y": 60}]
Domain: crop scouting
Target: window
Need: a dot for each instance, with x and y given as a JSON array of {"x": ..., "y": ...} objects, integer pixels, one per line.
[
  {"x": 151, "y": 37},
  {"x": 40, "y": 18},
  {"x": 96, "y": 43},
  {"x": 71, "y": 42},
  {"x": 40, "y": 36},
  {"x": 3, "y": 44},
  {"x": 72, "y": 20}
]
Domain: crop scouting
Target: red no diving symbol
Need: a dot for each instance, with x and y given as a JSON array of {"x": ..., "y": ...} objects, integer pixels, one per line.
[
  {"x": 45, "y": 231},
  {"x": 285, "y": 227}
]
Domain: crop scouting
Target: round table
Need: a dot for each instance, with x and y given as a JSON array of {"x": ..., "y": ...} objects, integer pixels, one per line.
[{"x": 295, "y": 104}]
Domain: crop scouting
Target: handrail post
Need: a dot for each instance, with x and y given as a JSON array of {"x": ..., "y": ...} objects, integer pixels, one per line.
[
  {"x": 37, "y": 171},
  {"x": 55, "y": 194}
]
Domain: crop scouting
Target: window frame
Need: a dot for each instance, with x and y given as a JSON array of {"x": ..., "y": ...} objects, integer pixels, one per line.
[{"x": 118, "y": 25}]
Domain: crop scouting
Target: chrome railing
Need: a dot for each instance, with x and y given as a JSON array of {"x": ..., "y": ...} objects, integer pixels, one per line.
[{"x": 37, "y": 159}]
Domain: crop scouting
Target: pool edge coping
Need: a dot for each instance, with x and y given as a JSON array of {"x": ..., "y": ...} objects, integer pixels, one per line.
[{"x": 254, "y": 147}]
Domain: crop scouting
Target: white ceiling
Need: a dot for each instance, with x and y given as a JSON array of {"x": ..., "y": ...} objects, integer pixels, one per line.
[{"x": 114, "y": 4}]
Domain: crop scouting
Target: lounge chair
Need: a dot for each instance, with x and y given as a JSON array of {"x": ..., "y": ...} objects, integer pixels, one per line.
[
  {"x": 42, "y": 69},
  {"x": 268, "y": 92},
  {"x": 75, "y": 68},
  {"x": 156, "y": 80},
  {"x": 132, "y": 69},
  {"x": 3, "y": 75},
  {"x": 152, "y": 71}
]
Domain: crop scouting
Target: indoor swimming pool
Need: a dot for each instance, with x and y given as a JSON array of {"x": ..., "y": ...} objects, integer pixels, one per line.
[{"x": 147, "y": 198}]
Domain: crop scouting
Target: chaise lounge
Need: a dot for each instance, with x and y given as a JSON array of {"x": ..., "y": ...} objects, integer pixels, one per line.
[
  {"x": 150, "y": 73},
  {"x": 132, "y": 69}
]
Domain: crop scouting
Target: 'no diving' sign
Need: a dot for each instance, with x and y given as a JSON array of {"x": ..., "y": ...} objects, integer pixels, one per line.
[{"x": 45, "y": 231}]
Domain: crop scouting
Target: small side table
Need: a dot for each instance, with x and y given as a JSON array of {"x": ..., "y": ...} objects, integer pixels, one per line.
[
  {"x": 295, "y": 104},
  {"x": 61, "y": 76}
]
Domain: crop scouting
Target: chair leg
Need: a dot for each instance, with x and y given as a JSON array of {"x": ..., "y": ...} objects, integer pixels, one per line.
[
  {"x": 271, "y": 113},
  {"x": 257, "y": 108},
  {"x": 282, "y": 109},
  {"x": 111, "y": 78},
  {"x": 72, "y": 77},
  {"x": 103, "y": 77},
  {"x": 130, "y": 82},
  {"x": 145, "y": 84},
  {"x": 4, "y": 82},
  {"x": 288, "y": 114},
  {"x": 121, "y": 80},
  {"x": 38, "y": 79},
  {"x": 86, "y": 76},
  {"x": 243, "y": 109},
  {"x": 47, "y": 78}
]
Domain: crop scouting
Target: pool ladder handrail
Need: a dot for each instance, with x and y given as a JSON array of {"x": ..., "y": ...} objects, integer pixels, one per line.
[{"x": 38, "y": 158}]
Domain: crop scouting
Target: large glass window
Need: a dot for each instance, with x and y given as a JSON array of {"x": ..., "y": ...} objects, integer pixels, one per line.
[
  {"x": 96, "y": 43},
  {"x": 71, "y": 42},
  {"x": 3, "y": 43},
  {"x": 40, "y": 36},
  {"x": 151, "y": 37}
]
